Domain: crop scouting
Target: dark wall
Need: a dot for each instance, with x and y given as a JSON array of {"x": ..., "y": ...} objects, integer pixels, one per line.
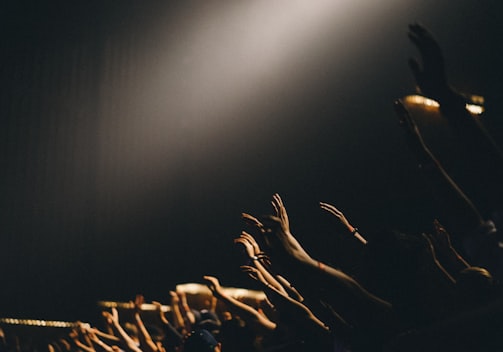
[{"x": 124, "y": 171}]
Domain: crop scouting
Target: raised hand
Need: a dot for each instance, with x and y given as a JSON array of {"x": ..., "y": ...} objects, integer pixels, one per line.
[
  {"x": 174, "y": 297},
  {"x": 277, "y": 229},
  {"x": 253, "y": 221},
  {"x": 281, "y": 213},
  {"x": 75, "y": 337},
  {"x": 441, "y": 236},
  {"x": 253, "y": 243},
  {"x": 214, "y": 286},
  {"x": 138, "y": 302},
  {"x": 430, "y": 76},
  {"x": 111, "y": 317},
  {"x": 250, "y": 250},
  {"x": 162, "y": 316},
  {"x": 338, "y": 214},
  {"x": 442, "y": 240},
  {"x": 255, "y": 274}
]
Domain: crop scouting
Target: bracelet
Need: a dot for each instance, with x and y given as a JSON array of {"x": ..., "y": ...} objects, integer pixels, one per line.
[
  {"x": 254, "y": 257},
  {"x": 355, "y": 230}
]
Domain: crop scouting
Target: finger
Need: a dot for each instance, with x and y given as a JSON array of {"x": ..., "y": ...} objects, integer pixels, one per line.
[
  {"x": 275, "y": 204},
  {"x": 251, "y": 220},
  {"x": 275, "y": 207},
  {"x": 242, "y": 241},
  {"x": 330, "y": 208},
  {"x": 270, "y": 221},
  {"x": 278, "y": 200},
  {"x": 249, "y": 237}
]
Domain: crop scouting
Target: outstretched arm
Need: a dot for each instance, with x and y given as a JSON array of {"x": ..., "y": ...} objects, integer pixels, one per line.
[
  {"x": 292, "y": 291},
  {"x": 436, "y": 171},
  {"x": 296, "y": 309},
  {"x": 445, "y": 251},
  {"x": 185, "y": 308},
  {"x": 75, "y": 336},
  {"x": 248, "y": 313},
  {"x": 252, "y": 250},
  {"x": 100, "y": 345},
  {"x": 146, "y": 342},
  {"x": 175, "y": 308},
  {"x": 127, "y": 341},
  {"x": 172, "y": 335},
  {"x": 313, "y": 269},
  {"x": 437, "y": 263},
  {"x": 338, "y": 214}
]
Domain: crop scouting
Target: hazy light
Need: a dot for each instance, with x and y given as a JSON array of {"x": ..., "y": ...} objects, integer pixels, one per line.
[
  {"x": 181, "y": 93},
  {"x": 41, "y": 323},
  {"x": 430, "y": 103},
  {"x": 128, "y": 305},
  {"x": 474, "y": 109},
  {"x": 194, "y": 288},
  {"x": 420, "y": 100}
]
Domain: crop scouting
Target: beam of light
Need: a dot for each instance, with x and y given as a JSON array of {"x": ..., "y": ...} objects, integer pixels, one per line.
[
  {"x": 228, "y": 55},
  {"x": 206, "y": 76}
]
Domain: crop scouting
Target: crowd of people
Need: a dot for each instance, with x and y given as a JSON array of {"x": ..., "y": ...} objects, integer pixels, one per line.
[{"x": 413, "y": 292}]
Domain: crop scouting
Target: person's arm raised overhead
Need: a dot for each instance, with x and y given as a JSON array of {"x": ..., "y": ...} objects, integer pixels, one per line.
[
  {"x": 295, "y": 309},
  {"x": 175, "y": 308},
  {"x": 436, "y": 172},
  {"x": 339, "y": 215},
  {"x": 291, "y": 249},
  {"x": 172, "y": 335},
  {"x": 249, "y": 314},
  {"x": 252, "y": 249},
  {"x": 447, "y": 254},
  {"x": 127, "y": 341},
  {"x": 147, "y": 344},
  {"x": 431, "y": 79}
]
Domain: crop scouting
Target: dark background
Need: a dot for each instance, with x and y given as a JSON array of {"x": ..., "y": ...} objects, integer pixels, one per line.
[{"x": 135, "y": 133}]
